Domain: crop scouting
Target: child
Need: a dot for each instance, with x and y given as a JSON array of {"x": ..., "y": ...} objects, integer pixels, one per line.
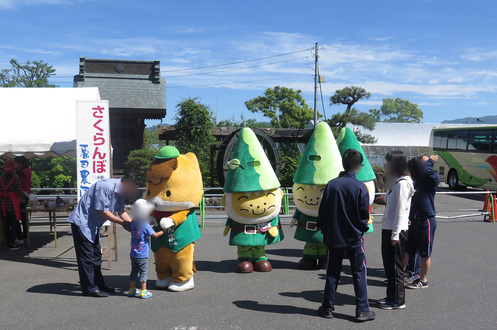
[{"x": 140, "y": 232}]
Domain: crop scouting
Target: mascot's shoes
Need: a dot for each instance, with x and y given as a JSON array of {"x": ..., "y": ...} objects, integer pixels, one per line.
[
  {"x": 307, "y": 264},
  {"x": 263, "y": 266},
  {"x": 163, "y": 283},
  {"x": 245, "y": 267},
  {"x": 183, "y": 286},
  {"x": 322, "y": 263},
  {"x": 145, "y": 294}
]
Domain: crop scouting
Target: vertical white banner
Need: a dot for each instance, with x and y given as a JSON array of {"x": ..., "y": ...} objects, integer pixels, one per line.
[{"x": 92, "y": 143}]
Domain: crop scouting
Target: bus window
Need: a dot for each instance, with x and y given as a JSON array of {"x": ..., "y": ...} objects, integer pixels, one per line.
[
  {"x": 458, "y": 140},
  {"x": 480, "y": 141},
  {"x": 440, "y": 140},
  {"x": 494, "y": 144}
]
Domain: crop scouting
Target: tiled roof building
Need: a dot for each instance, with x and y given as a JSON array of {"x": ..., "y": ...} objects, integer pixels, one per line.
[{"x": 135, "y": 91}]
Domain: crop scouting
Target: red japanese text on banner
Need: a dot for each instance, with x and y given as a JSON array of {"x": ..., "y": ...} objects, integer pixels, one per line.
[{"x": 92, "y": 143}]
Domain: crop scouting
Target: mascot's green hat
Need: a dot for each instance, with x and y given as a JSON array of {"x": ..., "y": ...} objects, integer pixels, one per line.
[
  {"x": 347, "y": 140},
  {"x": 167, "y": 152},
  {"x": 321, "y": 160},
  {"x": 249, "y": 168}
]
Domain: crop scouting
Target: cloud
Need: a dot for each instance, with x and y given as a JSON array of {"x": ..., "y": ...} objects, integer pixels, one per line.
[
  {"x": 9, "y": 4},
  {"x": 385, "y": 70},
  {"x": 479, "y": 55},
  {"x": 188, "y": 30},
  {"x": 373, "y": 103},
  {"x": 31, "y": 50},
  {"x": 381, "y": 38}
]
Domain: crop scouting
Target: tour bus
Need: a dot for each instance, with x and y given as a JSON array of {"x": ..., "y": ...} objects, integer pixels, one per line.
[{"x": 467, "y": 155}]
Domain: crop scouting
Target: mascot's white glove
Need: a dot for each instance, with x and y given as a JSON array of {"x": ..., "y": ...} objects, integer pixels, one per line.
[
  {"x": 293, "y": 222},
  {"x": 166, "y": 223}
]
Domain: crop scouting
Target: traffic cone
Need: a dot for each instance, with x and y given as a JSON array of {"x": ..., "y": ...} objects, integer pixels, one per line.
[
  {"x": 489, "y": 208},
  {"x": 486, "y": 203}
]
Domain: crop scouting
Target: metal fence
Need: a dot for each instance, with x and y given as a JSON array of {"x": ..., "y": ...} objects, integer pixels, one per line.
[{"x": 287, "y": 204}]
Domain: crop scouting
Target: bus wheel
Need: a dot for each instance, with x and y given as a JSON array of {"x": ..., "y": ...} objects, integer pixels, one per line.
[{"x": 453, "y": 180}]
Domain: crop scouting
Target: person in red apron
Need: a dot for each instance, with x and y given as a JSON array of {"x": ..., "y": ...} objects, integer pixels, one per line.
[
  {"x": 10, "y": 202},
  {"x": 25, "y": 174}
]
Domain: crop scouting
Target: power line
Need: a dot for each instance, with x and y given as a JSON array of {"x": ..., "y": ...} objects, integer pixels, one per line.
[
  {"x": 224, "y": 64},
  {"x": 217, "y": 71},
  {"x": 236, "y": 69},
  {"x": 240, "y": 82},
  {"x": 238, "y": 62}
]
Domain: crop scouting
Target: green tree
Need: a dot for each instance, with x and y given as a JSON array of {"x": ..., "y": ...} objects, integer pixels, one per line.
[
  {"x": 152, "y": 138},
  {"x": 138, "y": 162},
  {"x": 349, "y": 96},
  {"x": 54, "y": 172},
  {"x": 29, "y": 74},
  {"x": 289, "y": 158},
  {"x": 285, "y": 107},
  {"x": 398, "y": 111},
  {"x": 194, "y": 124}
]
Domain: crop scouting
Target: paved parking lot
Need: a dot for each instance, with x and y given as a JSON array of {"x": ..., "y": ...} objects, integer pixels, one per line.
[{"x": 40, "y": 290}]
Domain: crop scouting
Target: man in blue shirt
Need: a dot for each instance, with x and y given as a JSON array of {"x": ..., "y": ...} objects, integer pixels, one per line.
[
  {"x": 343, "y": 217},
  {"x": 98, "y": 204}
]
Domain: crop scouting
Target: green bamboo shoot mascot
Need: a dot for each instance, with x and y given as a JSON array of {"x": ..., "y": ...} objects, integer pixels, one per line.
[
  {"x": 252, "y": 199},
  {"x": 320, "y": 163},
  {"x": 347, "y": 140}
]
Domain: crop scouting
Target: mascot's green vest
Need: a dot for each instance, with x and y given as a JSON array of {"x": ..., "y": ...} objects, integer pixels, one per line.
[{"x": 177, "y": 238}]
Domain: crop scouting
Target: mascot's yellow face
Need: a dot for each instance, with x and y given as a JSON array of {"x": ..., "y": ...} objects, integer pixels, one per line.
[
  {"x": 253, "y": 207},
  {"x": 174, "y": 184},
  {"x": 308, "y": 198}
]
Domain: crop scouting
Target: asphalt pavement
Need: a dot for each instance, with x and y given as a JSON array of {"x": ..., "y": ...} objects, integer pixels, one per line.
[{"x": 40, "y": 285}]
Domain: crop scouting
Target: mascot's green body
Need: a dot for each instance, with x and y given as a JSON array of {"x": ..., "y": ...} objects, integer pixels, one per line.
[
  {"x": 252, "y": 200},
  {"x": 320, "y": 163}
]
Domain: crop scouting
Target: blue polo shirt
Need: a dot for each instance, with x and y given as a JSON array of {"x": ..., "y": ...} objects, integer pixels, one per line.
[{"x": 102, "y": 196}]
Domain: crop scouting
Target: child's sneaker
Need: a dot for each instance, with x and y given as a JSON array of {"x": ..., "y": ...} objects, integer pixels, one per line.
[
  {"x": 134, "y": 293},
  {"x": 145, "y": 294}
]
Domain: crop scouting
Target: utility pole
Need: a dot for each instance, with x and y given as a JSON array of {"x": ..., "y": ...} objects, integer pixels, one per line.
[{"x": 316, "y": 82}]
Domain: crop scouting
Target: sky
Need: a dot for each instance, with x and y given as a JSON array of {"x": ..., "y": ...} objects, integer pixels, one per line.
[{"x": 439, "y": 54}]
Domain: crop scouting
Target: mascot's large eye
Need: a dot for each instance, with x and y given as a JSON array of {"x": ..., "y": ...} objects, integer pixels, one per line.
[
  {"x": 168, "y": 193},
  {"x": 148, "y": 192}
]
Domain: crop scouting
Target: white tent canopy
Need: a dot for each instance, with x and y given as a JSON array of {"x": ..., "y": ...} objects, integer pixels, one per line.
[{"x": 40, "y": 121}]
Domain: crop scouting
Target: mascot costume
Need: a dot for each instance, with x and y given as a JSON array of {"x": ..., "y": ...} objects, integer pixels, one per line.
[
  {"x": 252, "y": 199},
  {"x": 174, "y": 184},
  {"x": 320, "y": 162},
  {"x": 347, "y": 140}
]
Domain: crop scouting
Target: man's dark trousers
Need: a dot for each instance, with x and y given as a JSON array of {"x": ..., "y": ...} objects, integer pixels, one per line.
[
  {"x": 358, "y": 265},
  {"x": 89, "y": 256}
]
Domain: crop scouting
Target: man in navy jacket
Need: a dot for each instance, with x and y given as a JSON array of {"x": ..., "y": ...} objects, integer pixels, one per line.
[
  {"x": 343, "y": 217},
  {"x": 422, "y": 215}
]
